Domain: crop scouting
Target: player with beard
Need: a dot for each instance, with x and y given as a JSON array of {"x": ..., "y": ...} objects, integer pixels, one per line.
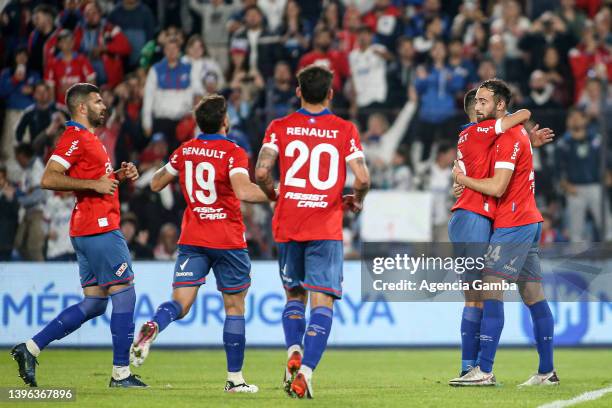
[{"x": 81, "y": 164}]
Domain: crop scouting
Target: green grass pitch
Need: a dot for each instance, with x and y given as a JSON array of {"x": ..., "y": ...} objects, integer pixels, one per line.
[{"x": 345, "y": 378}]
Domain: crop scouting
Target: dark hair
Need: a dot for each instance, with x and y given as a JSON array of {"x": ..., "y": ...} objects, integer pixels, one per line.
[
  {"x": 77, "y": 92},
  {"x": 501, "y": 90},
  {"x": 314, "y": 82},
  {"x": 25, "y": 149},
  {"x": 469, "y": 100},
  {"x": 210, "y": 113},
  {"x": 45, "y": 9},
  {"x": 444, "y": 147}
]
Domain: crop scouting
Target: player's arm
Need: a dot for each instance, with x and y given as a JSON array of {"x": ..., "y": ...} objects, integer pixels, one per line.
[
  {"x": 540, "y": 137},
  {"x": 263, "y": 171},
  {"x": 361, "y": 185},
  {"x": 245, "y": 190},
  {"x": 161, "y": 179},
  {"x": 511, "y": 120},
  {"x": 54, "y": 178},
  {"x": 493, "y": 186}
]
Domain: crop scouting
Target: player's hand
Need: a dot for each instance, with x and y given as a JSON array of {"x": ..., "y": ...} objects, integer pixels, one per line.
[
  {"x": 349, "y": 203},
  {"x": 458, "y": 190},
  {"x": 456, "y": 171},
  {"x": 540, "y": 137},
  {"x": 106, "y": 185},
  {"x": 127, "y": 171}
]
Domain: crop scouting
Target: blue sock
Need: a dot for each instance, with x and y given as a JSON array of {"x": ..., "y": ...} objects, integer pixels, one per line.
[
  {"x": 543, "y": 330},
  {"x": 122, "y": 325},
  {"x": 294, "y": 323},
  {"x": 70, "y": 319},
  {"x": 470, "y": 336},
  {"x": 166, "y": 313},
  {"x": 490, "y": 331},
  {"x": 234, "y": 342},
  {"x": 317, "y": 333}
]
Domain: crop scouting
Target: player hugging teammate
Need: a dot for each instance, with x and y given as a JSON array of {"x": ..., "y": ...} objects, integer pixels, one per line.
[{"x": 499, "y": 188}]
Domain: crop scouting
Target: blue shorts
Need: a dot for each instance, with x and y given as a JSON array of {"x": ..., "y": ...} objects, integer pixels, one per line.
[
  {"x": 104, "y": 259},
  {"x": 470, "y": 233},
  {"x": 313, "y": 265},
  {"x": 232, "y": 267},
  {"x": 514, "y": 253}
]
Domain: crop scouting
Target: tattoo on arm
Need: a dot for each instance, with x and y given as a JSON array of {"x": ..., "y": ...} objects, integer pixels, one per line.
[
  {"x": 263, "y": 171},
  {"x": 361, "y": 189}
]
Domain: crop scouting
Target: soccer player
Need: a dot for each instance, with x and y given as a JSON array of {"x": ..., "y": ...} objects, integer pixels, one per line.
[
  {"x": 81, "y": 164},
  {"x": 513, "y": 252},
  {"x": 469, "y": 228},
  {"x": 313, "y": 147},
  {"x": 213, "y": 175}
]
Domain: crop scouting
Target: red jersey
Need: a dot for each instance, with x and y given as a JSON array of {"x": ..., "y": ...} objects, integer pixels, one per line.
[
  {"x": 84, "y": 157},
  {"x": 334, "y": 60},
  {"x": 517, "y": 206},
  {"x": 61, "y": 74},
  {"x": 474, "y": 156},
  {"x": 313, "y": 151},
  {"x": 204, "y": 166}
]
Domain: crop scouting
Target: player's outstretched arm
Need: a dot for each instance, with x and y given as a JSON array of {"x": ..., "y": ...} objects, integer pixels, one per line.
[
  {"x": 493, "y": 186},
  {"x": 361, "y": 185},
  {"x": 161, "y": 179},
  {"x": 511, "y": 120},
  {"x": 54, "y": 178},
  {"x": 247, "y": 191},
  {"x": 540, "y": 137},
  {"x": 263, "y": 171}
]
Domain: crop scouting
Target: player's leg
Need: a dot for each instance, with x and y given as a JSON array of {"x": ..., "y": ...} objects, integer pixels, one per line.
[
  {"x": 323, "y": 265},
  {"x": 291, "y": 267},
  {"x": 190, "y": 270},
  {"x": 232, "y": 268},
  {"x": 532, "y": 293},
  {"x": 93, "y": 304}
]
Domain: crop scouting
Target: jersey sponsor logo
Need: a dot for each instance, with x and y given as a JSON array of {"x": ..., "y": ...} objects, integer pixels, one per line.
[
  {"x": 308, "y": 200},
  {"x": 103, "y": 222},
  {"x": 515, "y": 151},
  {"x": 483, "y": 129},
  {"x": 183, "y": 274},
  {"x": 302, "y": 131},
  {"x": 463, "y": 137},
  {"x": 73, "y": 147},
  {"x": 201, "y": 151},
  {"x": 122, "y": 268},
  {"x": 209, "y": 213}
]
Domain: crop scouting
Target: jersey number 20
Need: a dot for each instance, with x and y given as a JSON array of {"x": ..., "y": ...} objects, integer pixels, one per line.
[
  {"x": 205, "y": 180},
  {"x": 299, "y": 147}
]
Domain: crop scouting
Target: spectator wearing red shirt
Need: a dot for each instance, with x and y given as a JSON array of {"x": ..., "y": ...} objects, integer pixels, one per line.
[
  {"x": 590, "y": 57},
  {"x": 68, "y": 68},
  {"x": 322, "y": 54},
  {"x": 384, "y": 21}
]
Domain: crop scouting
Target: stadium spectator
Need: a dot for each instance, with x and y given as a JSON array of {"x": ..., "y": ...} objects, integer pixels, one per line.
[
  {"x": 602, "y": 26},
  {"x": 202, "y": 65},
  {"x": 153, "y": 50},
  {"x": 486, "y": 70},
  {"x": 261, "y": 44},
  {"x": 280, "y": 97},
  {"x": 433, "y": 32},
  {"x": 511, "y": 25},
  {"x": 323, "y": 54},
  {"x": 331, "y": 18},
  {"x": 347, "y": 36},
  {"x": 578, "y": 161},
  {"x": 137, "y": 240},
  {"x": 273, "y": 11},
  {"x": 458, "y": 61},
  {"x": 30, "y": 236},
  {"x": 589, "y": 58},
  {"x": 401, "y": 72},
  {"x": 9, "y": 215},
  {"x": 591, "y": 102},
  {"x": 35, "y": 122},
  {"x": 384, "y": 21},
  {"x": 436, "y": 86},
  {"x": 104, "y": 44},
  {"x": 507, "y": 68},
  {"x": 431, "y": 9},
  {"x": 168, "y": 94},
  {"x": 541, "y": 93},
  {"x": 68, "y": 68},
  {"x": 137, "y": 23},
  {"x": 559, "y": 75},
  {"x": 248, "y": 80},
  {"x": 16, "y": 89},
  {"x": 57, "y": 212},
  {"x": 70, "y": 16},
  {"x": 464, "y": 23},
  {"x": 295, "y": 34},
  {"x": 215, "y": 15},
  {"x": 166, "y": 248},
  {"x": 368, "y": 64},
  {"x": 174, "y": 13},
  {"x": 573, "y": 18},
  {"x": 15, "y": 24},
  {"x": 435, "y": 178},
  {"x": 43, "y": 30},
  {"x": 236, "y": 20}
]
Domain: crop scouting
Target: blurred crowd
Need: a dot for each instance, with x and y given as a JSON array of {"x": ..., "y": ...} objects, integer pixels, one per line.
[{"x": 401, "y": 70}]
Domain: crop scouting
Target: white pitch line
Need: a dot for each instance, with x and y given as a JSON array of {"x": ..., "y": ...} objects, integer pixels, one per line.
[{"x": 587, "y": 396}]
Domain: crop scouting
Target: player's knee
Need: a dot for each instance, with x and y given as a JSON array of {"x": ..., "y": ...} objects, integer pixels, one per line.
[
  {"x": 93, "y": 306},
  {"x": 297, "y": 293}
]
